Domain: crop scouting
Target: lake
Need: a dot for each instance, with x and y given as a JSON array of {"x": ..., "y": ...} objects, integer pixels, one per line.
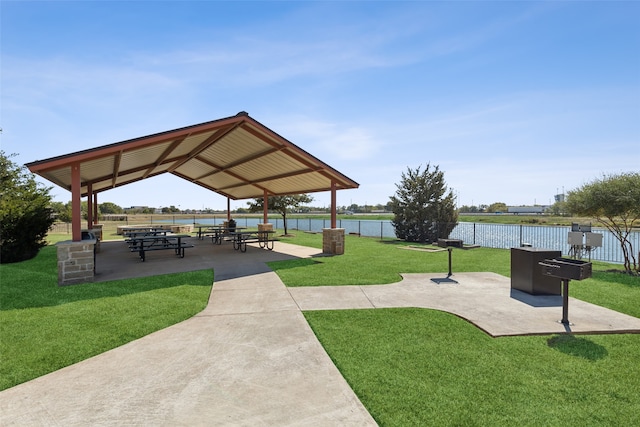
[{"x": 502, "y": 236}]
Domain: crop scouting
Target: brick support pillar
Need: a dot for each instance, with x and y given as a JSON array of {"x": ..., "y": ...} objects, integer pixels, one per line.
[
  {"x": 333, "y": 241},
  {"x": 76, "y": 262},
  {"x": 264, "y": 227}
]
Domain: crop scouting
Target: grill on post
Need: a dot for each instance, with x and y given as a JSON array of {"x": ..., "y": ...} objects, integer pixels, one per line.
[{"x": 566, "y": 269}]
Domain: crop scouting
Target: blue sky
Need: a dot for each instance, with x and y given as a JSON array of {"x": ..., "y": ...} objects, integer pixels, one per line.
[{"x": 515, "y": 101}]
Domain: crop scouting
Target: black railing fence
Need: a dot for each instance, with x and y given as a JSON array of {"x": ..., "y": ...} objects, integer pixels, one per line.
[{"x": 502, "y": 236}]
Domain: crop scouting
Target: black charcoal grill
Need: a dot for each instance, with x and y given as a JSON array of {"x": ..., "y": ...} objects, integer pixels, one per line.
[{"x": 566, "y": 269}]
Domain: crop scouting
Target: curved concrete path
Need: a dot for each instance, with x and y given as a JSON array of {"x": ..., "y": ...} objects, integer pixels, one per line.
[
  {"x": 484, "y": 299},
  {"x": 250, "y": 358}
]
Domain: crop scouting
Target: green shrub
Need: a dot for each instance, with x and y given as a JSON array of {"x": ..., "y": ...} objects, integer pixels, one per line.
[
  {"x": 423, "y": 210},
  {"x": 25, "y": 216}
]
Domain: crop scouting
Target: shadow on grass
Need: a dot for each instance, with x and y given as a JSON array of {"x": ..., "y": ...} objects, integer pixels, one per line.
[
  {"x": 34, "y": 283},
  {"x": 398, "y": 242},
  {"x": 294, "y": 263},
  {"x": 578, "y": 346}
]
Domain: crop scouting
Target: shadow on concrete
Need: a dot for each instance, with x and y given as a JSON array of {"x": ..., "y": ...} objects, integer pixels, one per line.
[
  {"x": 115, "y": 261},
  {"x": 537, "y": 300},
  {"x": 445, "y": 280}
]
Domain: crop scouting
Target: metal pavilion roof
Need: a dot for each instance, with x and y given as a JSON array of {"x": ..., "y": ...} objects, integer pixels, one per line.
[{"x": 236, "y": 157}]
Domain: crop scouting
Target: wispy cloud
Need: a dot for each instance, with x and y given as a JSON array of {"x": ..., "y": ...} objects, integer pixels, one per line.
[{"x": 341, "y": 141}]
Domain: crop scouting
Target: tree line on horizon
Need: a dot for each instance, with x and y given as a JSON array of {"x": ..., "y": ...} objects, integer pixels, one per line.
[{"x": 423, "y": 209}]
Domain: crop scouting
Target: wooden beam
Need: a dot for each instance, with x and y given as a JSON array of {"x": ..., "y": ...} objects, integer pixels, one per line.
[
  {"x": 76, "y": 203},
  {"x": 163, "y": 156},
  {"x": 116, "y": 168},
  {"x": 89, "y": 206},
  {"x": 218, "y": 135},
  {"x": 95, "y": 209},
  {"x": 265, "y": 207},
  {"x": 256, "y": 182},
  {"x": 42, "y": 166},
  {"x": 333, "y": 204},
  {"x": 225, "y": 169}
]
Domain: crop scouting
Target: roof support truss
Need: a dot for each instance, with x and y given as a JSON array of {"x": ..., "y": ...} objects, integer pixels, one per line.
[{"x": 235, "y": 156}]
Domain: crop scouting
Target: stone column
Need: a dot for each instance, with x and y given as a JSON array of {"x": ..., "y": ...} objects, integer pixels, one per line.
[
  {"x": 76, "y": 261},
  {"x": 264, "y": 227},
  {"x": 333, "y": 241}
]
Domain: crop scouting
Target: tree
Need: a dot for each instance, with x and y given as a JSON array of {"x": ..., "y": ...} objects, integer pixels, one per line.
[
  {"x": 170, "y": 209},
  {"x": 25, "y": 215},
  {"x": 423, "y": 211},
  {"x": 558, "y": 208},
  {"x": 280, "y": 204},
  {"x": 614, "y": 202},
  {"x": 107, "y": 208},
  {"x": 497, "y": 207},
  {"x": 468, "y": 209},
  {"x": 61, "y": 211}
]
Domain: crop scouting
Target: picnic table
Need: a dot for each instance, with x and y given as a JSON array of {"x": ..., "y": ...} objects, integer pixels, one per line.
[
  {"x": 218, "y": 233},
  {"x": 156, "y": 242},
  {"x": 205, "y": 230},
  {"x": 265, "y": 239},
  {"x": 141, "y": 232}
]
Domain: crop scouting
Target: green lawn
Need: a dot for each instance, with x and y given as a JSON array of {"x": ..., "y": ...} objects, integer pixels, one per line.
[
  {"x": 424, "y": 367},
  {"x": 408, "y": 366},
  {"x": 44, "y": 327},
  {"x": 416, "y": 367}
]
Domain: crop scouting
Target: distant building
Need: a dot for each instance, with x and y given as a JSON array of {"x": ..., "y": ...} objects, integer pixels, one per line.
[
  {"x": 526, "y": 209},
  {"x": 559, "y": 198}
]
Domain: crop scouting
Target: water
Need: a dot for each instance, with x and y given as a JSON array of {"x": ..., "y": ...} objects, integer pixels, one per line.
[{"x": 502, "y": 236}]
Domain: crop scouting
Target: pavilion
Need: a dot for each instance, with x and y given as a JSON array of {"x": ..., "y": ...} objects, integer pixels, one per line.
[{"x": 236, "y": 157}]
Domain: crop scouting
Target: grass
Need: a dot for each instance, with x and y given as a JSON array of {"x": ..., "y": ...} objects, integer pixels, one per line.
[
  {"x": 44, "y": 327},
  {"x": 408, "y": 366},
  {"x": 413, "y": 367},
  {"x": 425, "y": 367},
  {"x": 369, "y": 261}
]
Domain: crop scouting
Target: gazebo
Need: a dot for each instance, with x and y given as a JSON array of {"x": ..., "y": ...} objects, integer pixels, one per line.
[{"x": 236, "y": 156}]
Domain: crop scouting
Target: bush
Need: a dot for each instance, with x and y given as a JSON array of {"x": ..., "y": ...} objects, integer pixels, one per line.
[
  {"x": 25, "y": 216},
  {"x": 423, "y": 211}
]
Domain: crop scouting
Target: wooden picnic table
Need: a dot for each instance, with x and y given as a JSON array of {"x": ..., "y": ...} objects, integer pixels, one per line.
[{"x": 146, "y": 243}]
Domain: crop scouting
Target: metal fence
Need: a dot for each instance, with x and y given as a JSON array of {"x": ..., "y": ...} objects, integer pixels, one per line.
[{"x": 502, "y": 236}]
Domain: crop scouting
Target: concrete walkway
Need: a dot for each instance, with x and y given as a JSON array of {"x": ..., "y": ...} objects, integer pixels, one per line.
[
  {"x": 250, "y": 358},
  {"x": 484, "y": 299}
]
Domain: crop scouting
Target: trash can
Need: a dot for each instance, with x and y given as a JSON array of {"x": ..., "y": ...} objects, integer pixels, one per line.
[
  {"x": 526, "y": 274},
  {"x": 89, "y": 235}
]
